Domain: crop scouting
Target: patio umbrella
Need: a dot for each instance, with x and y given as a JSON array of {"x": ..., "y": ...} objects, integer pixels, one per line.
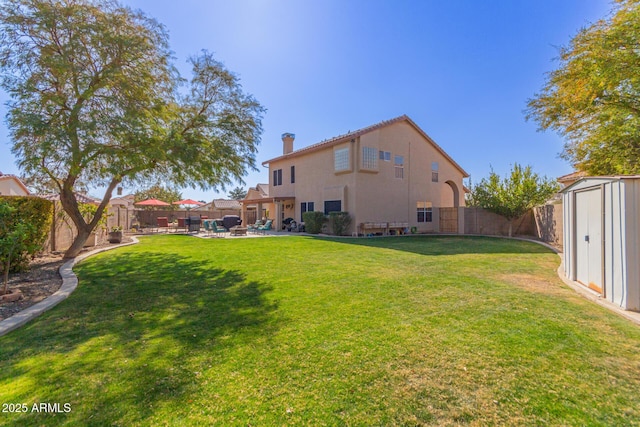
[
  {"x": 188, "y": 202},
  {"x": 152, "y": 202}
]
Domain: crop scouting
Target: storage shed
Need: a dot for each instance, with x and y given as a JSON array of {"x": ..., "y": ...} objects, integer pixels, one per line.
[{"x": 601, "y": 218}]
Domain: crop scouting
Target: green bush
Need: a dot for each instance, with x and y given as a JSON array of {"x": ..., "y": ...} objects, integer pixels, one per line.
[
  {"x": 313, "y": 221},
  {"x": 339, "y": 223},
  {"x": 36, "y": 215}
]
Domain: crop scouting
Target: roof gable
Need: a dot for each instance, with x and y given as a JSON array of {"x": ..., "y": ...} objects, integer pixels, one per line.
[
  {"x": 351, "y": 135},
  {"x": 16, "y": 179}
]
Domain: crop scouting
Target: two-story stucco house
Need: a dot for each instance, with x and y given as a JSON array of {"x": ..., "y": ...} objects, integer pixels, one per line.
[{"x": 385, "y": 175}]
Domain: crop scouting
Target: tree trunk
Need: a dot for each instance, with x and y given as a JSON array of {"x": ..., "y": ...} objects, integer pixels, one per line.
[
  {"x": 78, "y": 243},
  {"x": 510, "y": 227},
  {"x": 70, "y": 206}
]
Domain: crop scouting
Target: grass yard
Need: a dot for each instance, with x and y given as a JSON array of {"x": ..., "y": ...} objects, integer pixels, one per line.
[{"x": 304, "y": 331}]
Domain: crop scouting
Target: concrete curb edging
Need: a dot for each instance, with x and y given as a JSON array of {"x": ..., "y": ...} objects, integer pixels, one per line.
[{"x": 69, "y": 284}]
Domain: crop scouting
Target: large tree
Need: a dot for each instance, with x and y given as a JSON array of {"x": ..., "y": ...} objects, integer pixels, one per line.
[
  {"x": 593, "y": 97},
  {"x": 95, "y": 99},
  {"x": 513, "y": 195}
]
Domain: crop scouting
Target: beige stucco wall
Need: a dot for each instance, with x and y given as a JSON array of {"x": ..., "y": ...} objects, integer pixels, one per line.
[
  {"x": 372, "y": 195},
  {"x": 9, "y": 187}
]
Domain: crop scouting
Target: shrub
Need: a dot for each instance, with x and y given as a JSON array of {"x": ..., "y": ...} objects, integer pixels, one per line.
[
  {"x": 313, "y": 221},
  {"x": 339, "y": 222},
  {"x": 36, "y": 214},
  {"x": 15, "y": 240}
]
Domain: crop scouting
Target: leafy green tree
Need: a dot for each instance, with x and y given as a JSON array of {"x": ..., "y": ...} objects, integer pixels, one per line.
[
  {"x": 160, "y": 192},
  {"x": 514, "y": 195},
  {"x": 593, "y": 97},
  {"x": 95, "y": 99},
  {"x": 15, "y": 239},
  {"x": 238, "y": 193}
]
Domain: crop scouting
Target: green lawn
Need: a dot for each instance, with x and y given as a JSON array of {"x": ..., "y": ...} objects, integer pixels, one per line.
[{"x": 304, "y": 331}]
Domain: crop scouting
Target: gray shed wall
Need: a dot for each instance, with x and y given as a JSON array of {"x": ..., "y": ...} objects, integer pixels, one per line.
[{"x": 621, "y": 237}]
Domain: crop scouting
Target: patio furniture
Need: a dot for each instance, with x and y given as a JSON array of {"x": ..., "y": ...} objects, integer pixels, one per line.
[
  {"x": 163, "y": 222},
  {"x": 182, "y": 223},
  {"x": 287, "y": 223},
  {"x": 193, "y": 223},
  {"x": 254, "y": 227},
  {"x": 216, "y": 228},
  {"x": 238, "y": 231},
  {"x": 266, "y": 227},
  {"x": 229, "y": 221}
]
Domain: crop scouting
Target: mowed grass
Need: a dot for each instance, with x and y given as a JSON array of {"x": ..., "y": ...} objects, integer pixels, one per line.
[{"x": 309, "y": 331}]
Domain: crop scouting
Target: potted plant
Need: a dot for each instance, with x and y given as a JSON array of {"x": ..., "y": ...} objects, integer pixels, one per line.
[{"x": 115, "y": 235}]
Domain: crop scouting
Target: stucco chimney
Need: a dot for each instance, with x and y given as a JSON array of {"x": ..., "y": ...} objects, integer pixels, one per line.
[{"x": 287, "y": 142}]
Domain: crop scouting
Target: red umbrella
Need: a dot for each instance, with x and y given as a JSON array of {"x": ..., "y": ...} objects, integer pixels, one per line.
[
  {"x": 188, "y": 202},
  {"x": 152, "y": 202}
]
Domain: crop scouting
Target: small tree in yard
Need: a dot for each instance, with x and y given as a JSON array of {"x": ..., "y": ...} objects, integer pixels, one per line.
[
  {"x": 513, "y": 196},
  {"x": 14, "y": 238}
]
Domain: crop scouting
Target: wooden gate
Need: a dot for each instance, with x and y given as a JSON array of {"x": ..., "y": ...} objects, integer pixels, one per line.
[{"x": 448, "y": 220}]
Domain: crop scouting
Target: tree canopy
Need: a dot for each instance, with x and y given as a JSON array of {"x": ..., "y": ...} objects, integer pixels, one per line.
[
  {"x": 593, "y": 97},
  {"x": 514, "y": 195},
  {"x": 95, "y": 98},
  {"x": 160, "y": 192},
  {"x": 238, "y": 193}
]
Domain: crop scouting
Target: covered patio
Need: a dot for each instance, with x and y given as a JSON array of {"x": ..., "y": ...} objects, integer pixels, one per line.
[{"x": 262, "y": 208}]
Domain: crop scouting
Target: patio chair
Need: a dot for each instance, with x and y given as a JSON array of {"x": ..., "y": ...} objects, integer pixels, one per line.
[
  {"x": 216, "y": 228},
  {"x": 266, "y": 227},
  {"x": 254, "y": 227},
  {"x": 207, "y": 226},
  {"x": 182, "y": 224}
]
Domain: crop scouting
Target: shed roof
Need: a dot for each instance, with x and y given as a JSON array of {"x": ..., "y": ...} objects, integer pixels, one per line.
[{"x": 592, "y": 181}]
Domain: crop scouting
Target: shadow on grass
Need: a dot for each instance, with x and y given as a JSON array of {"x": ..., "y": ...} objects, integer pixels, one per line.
[
  {"x": 135, "y": 335},
  {"x": 445, "y": 245}
]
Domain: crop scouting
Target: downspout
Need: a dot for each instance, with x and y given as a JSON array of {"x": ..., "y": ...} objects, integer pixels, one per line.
[
  {"x": 602, "y": 239},
  {"x": 574, "y": 242},
  {"x": 409, "y": 187},
  {"x": 355, "y": 187}
]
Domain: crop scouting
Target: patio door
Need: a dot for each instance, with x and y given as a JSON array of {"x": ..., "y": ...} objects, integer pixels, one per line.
[{"x": 588, "y": 212}]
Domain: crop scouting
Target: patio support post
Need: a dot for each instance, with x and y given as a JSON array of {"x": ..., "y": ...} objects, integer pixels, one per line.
[{"x": 278, "y": 218}]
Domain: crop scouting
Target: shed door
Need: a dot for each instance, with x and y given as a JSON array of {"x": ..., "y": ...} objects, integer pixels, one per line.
[{"x": 588, "y": 237}]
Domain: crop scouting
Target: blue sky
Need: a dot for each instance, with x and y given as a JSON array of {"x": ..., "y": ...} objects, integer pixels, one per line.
[{"x": 461, "y": 69}]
